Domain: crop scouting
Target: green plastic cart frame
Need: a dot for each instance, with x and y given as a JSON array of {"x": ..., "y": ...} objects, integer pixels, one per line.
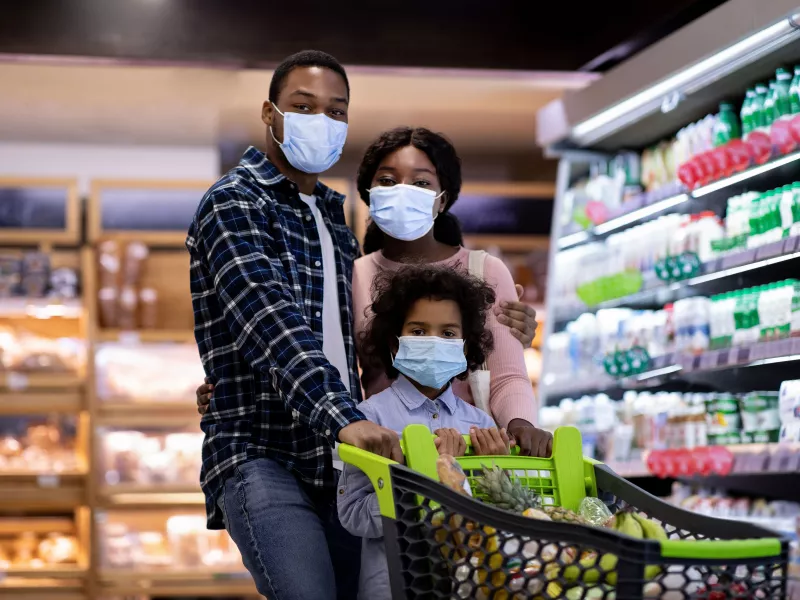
[{"x": 436, "y": 538}]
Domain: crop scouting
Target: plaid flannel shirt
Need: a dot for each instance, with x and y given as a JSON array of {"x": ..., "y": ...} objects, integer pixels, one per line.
[{"x": 257, "y": 285}]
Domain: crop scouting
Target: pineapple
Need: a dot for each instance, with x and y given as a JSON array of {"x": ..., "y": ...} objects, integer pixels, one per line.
[
  {"x": 564, "y": 515},
  {"x": 506, "y": 493}
]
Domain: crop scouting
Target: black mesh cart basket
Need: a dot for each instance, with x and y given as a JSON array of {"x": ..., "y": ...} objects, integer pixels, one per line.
[{"x": 443, "y": 544}]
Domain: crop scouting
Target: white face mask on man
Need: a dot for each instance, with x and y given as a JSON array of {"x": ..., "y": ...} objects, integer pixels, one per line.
[
  {"x": 404, "y": 212},
  {"x": 311, "y": 143}
]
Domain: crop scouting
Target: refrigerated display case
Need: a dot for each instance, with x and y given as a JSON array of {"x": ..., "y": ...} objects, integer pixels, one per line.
[{"x": 672, "y": 283}]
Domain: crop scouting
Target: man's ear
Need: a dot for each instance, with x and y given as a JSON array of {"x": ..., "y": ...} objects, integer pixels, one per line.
[{"x": 267, "y": 113}]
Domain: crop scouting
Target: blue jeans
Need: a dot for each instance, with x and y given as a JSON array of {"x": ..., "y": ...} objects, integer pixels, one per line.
[{"x": 289, "y": 535}]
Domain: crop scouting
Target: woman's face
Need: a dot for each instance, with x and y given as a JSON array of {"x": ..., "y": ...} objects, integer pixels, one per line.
[
  {"x": 433, "y": 318},
  {"x": 410, "y": 166}
]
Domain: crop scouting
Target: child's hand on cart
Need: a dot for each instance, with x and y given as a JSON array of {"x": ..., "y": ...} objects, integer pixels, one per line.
[
  {"x": 532, "y": 441},
  {"x": 450, "y": 441},
  {"x": 490, "y": 442}
]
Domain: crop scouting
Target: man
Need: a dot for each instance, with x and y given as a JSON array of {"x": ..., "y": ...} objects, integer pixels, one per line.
[{"x": 271, "y": 261}]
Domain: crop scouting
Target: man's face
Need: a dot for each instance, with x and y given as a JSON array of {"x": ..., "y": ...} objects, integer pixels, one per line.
[{"x": 308, "y": 90}]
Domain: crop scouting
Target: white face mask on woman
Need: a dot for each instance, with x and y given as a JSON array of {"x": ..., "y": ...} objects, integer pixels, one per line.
[
  {"x": 404, "y": 212},
  {"x": 311, "y": 143}
]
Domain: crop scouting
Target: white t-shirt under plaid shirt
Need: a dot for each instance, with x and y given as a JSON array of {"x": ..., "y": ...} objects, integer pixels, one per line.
[{"x": 332, "y": 339}]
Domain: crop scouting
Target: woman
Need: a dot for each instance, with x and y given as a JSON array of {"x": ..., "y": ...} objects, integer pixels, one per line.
[{"x": 411, "y": 178}]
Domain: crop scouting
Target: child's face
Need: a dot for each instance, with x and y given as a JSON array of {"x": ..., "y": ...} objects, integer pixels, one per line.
[{"x": 434, "y": 318}]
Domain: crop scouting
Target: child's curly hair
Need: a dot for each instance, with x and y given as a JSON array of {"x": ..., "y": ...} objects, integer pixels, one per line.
[{"x": 393, "y": 295}]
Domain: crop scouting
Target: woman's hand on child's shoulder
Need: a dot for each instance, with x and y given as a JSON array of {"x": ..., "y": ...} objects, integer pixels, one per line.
[
  {"x": 490, "y": 442},
  {"x": 450, "y": 441}
]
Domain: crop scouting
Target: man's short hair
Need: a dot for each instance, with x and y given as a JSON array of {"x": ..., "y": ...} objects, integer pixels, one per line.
[{"x": 306, "y": 58}]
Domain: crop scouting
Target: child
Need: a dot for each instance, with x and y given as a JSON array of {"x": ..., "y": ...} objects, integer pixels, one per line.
[{"x": 428, "y": 328}]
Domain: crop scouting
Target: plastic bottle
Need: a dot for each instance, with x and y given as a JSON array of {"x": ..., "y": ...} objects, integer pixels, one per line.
[
  {"x": 757, "y": 111},
  {"x": 781, "y": 100},
  {"x": 795, "y": 229},
  {"x": 726, "y": 125},
  {"x": 786, "y": 209},
  {"x": 794, "y": 92},
  {"x": 768, "y": 110},
  {"x": 746, "y": 113}
]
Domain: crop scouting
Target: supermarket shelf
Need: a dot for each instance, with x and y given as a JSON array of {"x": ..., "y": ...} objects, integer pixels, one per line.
[
  {"x": 21, "y": 588},
  {"x": 145, "y": 336},
  {"x": 199, "y": 582},
  {"x": 42, "y": 491},
  {"x": 20, "y": 382},
  {"x": 728, "y": 266},
  {"x": 48, "y": 572},
  {"x": 155, "y": 496},
  {"x": 40, "y": 308},
  {"x": 123, "y": 408},
  {"x": 40, "y": 525},
  {"x": 40, "y": 403},
  {"x": 640, "y": 214},
  {"x": 679, "y": 365},
  {"x": 745, "y": 175},
  {"x": 652, "y": 209}
]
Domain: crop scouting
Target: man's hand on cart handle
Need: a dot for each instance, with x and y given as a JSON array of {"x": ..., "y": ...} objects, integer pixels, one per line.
[
  {"x": 371, "y": 437},
  {"x": 532, "y": 441}
]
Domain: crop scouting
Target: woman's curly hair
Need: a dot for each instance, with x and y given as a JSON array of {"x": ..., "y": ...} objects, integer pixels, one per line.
[{"x": 394, "y": 294}]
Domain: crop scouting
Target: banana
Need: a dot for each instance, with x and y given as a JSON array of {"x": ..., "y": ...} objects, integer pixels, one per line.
[
  {"x": 651, "y": 529},
  {"x": 627, "y": 525}
]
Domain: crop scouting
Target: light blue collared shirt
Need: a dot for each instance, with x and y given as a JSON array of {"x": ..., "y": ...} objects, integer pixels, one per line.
[{"x": 394, "y": 408}]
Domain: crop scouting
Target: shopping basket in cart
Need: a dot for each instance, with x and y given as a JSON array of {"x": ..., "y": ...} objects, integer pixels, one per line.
[{"x": 442, "y": 544}]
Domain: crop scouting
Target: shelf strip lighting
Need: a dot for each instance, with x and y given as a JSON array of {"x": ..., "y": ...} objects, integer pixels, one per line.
[
  {"x": 745, "y": 175},
  {"x": 659, "y": 372},
  {"x": 736, "y": 270},
  {"x": 772, "y": 361},
  {"x": 641, "y": 213},
  {"x": 572, "y": 239},
  {"x": 711, "y": 68}
]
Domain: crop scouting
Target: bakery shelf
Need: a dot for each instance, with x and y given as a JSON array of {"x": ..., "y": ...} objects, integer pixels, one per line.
[
  {"x": 18, "y": 381},
  {"x": 40, "y": 308},
  {"x": 40, "y": 403},
  {"x": 146, "y": 335},
  {"x": 42, "y": 491},
  {"x": 151, "y": 496},
  {"x": 48, "y": 572},
  {"x": 18, "y": 588},
  {"x": 131, "y": 408},
  {"x": 198, "y": 582}
]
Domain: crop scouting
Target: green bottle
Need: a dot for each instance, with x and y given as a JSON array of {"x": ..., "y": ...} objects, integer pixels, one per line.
[
  {"x": 747, "y": 111},
  {"x": 780, "y": 95},
  {"x": 726, "y": 126},
  {"x": 757, "y": 108},
  {"x": 768, "y": 110},
  {"x": 794, "y": 92}
]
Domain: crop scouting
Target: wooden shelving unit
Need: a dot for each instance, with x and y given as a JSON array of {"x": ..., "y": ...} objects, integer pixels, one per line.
[
  {"x": 34, "y": 499},
  {"x": 44, "y": 498}
]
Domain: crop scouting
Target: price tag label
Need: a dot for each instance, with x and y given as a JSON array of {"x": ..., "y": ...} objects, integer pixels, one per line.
[
  {"x": 723, "y": 358},
  {"x": 791, "y": 244},
  {"x": 17, "y": 382},
  {"x": 708, "y": 360},
  {"x": 129, "y": 337},
  {"x": 48, "y": 481},
  {"x": 769, "y": 250},
  {"x": 743, "y": 355}
]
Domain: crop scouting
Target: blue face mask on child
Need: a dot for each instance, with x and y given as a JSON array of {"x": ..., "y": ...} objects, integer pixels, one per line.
[{"x": 430, "y": 361}]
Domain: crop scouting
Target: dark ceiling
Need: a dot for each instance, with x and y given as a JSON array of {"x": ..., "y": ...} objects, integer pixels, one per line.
[{"x": 496, "y": 34}]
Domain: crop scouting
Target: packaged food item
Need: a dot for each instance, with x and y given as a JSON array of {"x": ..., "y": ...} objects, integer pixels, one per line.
[
  {"x": 128, "y": 304},
  {"x": 108, "y": 302},
  {"x": 63, "y": 283},
  {"x": 789, "y": 402},
  {"x": 109, "y": 263},
  {"x": 148, "y": 302},
  {"x": 188, "y": 540},
  {"x": 135, "y": 257},
  {"x": 723, "y": 415},
  {"x": 759, "y": 411}
]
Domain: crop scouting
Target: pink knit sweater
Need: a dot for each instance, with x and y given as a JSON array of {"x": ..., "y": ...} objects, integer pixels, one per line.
[{"x": 511, "y": 391}]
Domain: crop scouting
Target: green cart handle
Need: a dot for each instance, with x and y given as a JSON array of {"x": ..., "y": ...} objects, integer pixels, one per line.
[{"x": 576, "y": 475}]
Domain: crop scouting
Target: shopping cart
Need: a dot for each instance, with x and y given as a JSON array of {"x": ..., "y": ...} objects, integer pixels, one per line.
[{"x": 443, "y": 544}]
